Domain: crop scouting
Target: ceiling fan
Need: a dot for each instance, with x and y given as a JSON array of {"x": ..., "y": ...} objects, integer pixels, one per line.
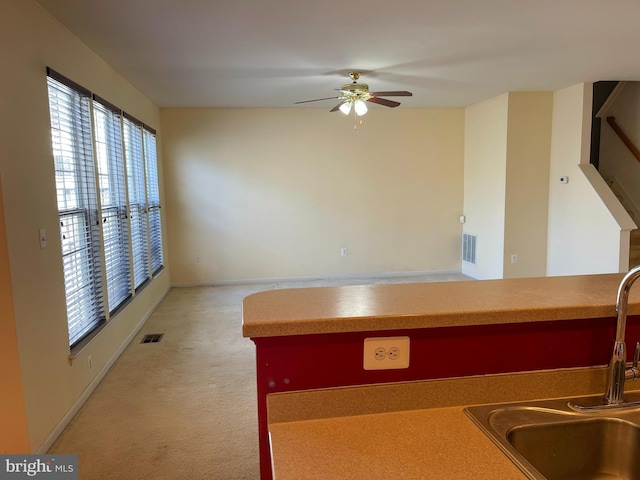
[{"x": 356, "y": 94}]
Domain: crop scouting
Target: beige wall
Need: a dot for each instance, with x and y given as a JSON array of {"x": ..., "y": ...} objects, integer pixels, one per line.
[
  {"x": 485, "y": 162},
  {"x": 583, "y": 237},
  {"x": 32, "y": 40},
  {"x": 13, "y": 419},
  {"x": 506, "y": 184},
  {"x": 264, "y": 193},
  {"x": 241, "y": 184},
  {"x": 527, "y": 190}
]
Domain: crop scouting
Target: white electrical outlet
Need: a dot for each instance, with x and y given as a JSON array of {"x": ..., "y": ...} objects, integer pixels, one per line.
[
  {"x": 386, "y": 353},
  {"x": 344, "y": 252},
  {"x": 514, "y": 258},
  {"x": 393, "y": 353}
]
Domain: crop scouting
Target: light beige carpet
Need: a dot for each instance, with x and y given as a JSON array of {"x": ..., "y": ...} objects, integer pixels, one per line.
[{"x": 184, "y": 408}]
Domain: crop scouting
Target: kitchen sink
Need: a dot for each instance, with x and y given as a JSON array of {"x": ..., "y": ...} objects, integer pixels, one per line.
[
  {"x": 549, "y": 440},
  {"x": 592, "y": 448}
]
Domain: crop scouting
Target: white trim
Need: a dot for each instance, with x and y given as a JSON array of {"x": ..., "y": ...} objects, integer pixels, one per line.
[
  {"x": 608, "y": 198},
  {"x": 612, "y": 98},
  {"x": 628, "y": 200},
  {"x": 314, "y": 278},
  {"x": 62, "y": 424}
]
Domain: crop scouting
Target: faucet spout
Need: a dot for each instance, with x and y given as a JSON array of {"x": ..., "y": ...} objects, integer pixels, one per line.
[{"x": 617, "y": 372}]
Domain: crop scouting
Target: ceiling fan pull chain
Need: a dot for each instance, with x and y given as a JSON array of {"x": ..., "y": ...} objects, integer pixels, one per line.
[{"x": 355, "y": 120}]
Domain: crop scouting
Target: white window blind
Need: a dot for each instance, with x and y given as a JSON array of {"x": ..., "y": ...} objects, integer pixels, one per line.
[
  {"x": 153, "y": 200},
  {"x": 70, "y": 112},
  {"x": 113, "y": 200},
  {"x": 137, "y": 200},
  {"x": 108, "y": 203}
]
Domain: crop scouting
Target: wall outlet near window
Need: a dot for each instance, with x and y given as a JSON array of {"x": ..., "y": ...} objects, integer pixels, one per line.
[{"x": 386, "y": 353}]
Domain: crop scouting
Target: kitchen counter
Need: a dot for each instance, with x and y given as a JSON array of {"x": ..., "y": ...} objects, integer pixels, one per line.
[
  {"x": 347, "y": 434},
  {"x": 439, "y": 443},
  {"x": 362, "y": 308},
  {"x": 312, "y": 338}
]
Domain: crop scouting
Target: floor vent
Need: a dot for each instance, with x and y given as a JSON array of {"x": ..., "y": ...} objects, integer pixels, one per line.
[
  {"x": 469, "y": 243},
  {"x": 152, "y": 338}
]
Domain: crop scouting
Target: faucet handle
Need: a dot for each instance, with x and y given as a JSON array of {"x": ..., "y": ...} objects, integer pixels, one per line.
[{"x": 633, "y": 372}]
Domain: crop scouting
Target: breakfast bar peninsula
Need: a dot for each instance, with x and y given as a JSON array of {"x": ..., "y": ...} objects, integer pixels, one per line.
[{"x": 313, "y": 338}]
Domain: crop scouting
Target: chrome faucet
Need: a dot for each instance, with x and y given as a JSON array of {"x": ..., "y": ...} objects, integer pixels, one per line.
[{"x": 618, "y": 372}]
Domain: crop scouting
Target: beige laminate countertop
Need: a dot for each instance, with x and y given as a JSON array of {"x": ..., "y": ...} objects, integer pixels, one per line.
[
  {"x": 412, "y": 430},
  {"x": 304, "y": 311},
  {"x": 438, "y": 444}
]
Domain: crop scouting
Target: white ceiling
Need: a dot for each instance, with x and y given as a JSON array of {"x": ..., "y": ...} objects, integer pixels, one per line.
[{"x": 272, "y": 53}]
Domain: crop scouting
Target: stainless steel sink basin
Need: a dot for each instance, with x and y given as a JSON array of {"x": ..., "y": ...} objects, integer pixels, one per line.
[
  {"x": 592, "y": 448},
  {"x": 548, "y": 440}
]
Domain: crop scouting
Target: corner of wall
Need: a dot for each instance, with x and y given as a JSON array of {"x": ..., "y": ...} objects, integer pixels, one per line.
[{"x": 14, "y": 436}]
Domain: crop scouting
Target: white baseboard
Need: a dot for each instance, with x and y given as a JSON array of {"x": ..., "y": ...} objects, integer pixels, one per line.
[
  {"x": 313, "y": 278},
  {"x": 62, "y": 424}
]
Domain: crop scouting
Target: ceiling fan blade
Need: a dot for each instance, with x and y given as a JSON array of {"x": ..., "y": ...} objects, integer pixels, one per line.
[
  {"x": 337, "y": 107},
  {"x": 383, "y": 101},
  {"x": 400, "y": 93},
  {"x": 316, "y": 100}
]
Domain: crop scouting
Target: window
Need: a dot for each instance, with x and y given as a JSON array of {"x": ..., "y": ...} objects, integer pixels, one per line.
[
  {"x": 70, "y": 112},
  {"x": 108, "y": 204},
  {"x": 113, "y": 202},
  {"x": 153, "y": 200},
  {"x": 137, "y": 200}
]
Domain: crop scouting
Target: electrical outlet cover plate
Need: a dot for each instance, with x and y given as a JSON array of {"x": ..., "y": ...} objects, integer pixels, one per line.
[{"x": 386, "y": 353}]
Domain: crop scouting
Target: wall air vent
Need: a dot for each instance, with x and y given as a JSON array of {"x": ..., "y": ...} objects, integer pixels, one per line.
[
  {"x": 469, "y": 243},
  {"x": 152, "y": 338}
]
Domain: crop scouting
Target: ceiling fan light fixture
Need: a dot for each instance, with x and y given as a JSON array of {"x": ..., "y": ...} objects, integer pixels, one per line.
[
  {"x": 353, "y": 96},
  {"x": 345, "y": 108},
  {"x": 360, "y": 107}
]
